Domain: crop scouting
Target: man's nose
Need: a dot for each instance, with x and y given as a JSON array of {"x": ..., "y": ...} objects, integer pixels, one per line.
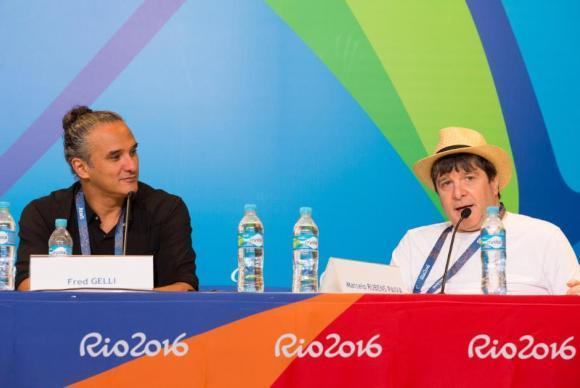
[
  {"x": 130, "y": 163},
  {"x": 458, "y": 190}
]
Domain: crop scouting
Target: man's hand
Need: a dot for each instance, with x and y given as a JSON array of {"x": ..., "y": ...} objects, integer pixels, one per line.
[
  {"x": 178, "y": 286},
  {"x": 574, "y": 285},
  {"x": 24, "y": 285}
]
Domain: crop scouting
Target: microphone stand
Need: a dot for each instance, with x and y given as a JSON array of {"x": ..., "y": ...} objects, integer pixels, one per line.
[
  {"x": 465, "y": 213},
  {"x": 126, "y": 226}
]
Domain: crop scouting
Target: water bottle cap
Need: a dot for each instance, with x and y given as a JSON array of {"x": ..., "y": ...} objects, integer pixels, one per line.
[
  {"x": 305, "y": 211},
  {"x": 493, "y": 210},
  {"x": 60, "y": 223},
  {"x": 249, "y": 207},
  {"x": 4, "y": 205}
]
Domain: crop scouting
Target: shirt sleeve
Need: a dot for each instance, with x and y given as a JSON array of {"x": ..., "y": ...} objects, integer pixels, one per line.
[
  {"x": 401, "y": 258},
  {"x": 175, "y": 248},
  {"x": 560, "y": 262},
  {"x": 34, "y": 235}
]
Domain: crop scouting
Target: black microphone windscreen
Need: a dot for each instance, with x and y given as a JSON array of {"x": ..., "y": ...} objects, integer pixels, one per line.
[{"x": 465, "y": 213}]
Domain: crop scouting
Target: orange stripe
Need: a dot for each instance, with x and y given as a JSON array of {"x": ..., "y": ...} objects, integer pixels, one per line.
[{"x": 239, "y": 352}]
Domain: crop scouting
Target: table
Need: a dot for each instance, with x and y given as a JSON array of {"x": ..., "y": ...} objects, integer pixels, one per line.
[{"x": 286, "y": 340}]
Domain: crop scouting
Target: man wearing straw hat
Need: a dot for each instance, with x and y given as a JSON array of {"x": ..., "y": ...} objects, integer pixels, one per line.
[{"x": 466, "y": 172}]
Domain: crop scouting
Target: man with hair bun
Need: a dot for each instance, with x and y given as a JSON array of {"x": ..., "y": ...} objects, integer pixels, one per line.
[
  {"x": 102, "y": 153},
  {"x": 466, "y": 172}
]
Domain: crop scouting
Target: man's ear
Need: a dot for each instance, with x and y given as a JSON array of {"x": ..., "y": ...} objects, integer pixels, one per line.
[
  {"x": 495, "y": 185},
  {"x": 80, "y": 167}
]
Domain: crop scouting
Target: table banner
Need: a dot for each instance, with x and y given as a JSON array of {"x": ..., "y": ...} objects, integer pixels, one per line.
[{"x": 286, "y": 340}]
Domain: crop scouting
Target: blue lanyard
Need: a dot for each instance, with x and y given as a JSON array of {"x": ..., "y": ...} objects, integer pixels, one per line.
[
  {"x": 433, "y": 257},
  {"x": 84, "y": 230}
]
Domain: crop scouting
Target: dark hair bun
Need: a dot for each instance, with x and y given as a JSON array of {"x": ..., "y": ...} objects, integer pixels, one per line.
[{"x": 72, "y": 115}]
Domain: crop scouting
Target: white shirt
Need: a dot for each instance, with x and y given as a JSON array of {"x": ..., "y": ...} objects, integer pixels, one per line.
[{"x": 539, "y": 258}]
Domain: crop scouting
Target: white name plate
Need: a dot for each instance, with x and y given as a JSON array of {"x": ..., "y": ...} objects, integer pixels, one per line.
[
  {"x": 353, "y": 276},
  {"x": 91, "y": 272}
]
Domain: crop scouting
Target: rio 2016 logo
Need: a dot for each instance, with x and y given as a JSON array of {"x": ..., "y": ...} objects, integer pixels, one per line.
[
  {"x": 288, "y": 345},
  {"x": 482, "y": 346},
  {"x": 93, "y": 345}
]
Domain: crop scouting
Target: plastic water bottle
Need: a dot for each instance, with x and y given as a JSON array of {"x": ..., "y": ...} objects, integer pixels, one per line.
[
  {"x": 493, "y": 245},
  {"x": 250, "y": 252},
  {"x": 7, "y": 247},
  {"x": 60, "y": 242},
  {"x": 305, "y": 274}
]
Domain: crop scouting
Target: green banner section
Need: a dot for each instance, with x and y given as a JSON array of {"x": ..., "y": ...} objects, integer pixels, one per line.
[
  {"x": 432, "y": 52},
  {"x": 329, "y": 28},
  {"x": 413, "y": 66},
  {"x": 331, "y": 31}
]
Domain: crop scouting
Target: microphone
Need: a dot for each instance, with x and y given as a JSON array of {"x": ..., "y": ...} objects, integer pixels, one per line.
[
  {"x": 126, "y": 226},
  {"x": 465, "y": 213}
]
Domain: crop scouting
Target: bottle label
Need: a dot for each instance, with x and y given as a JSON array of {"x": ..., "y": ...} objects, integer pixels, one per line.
[
  {"x": 7, "y": 237},
  {"x": 492, "y": 241},
  {"x": 250, "y": 238},
  {"x": 59, "y": 250},
  {"x": 6, "y": 274},
  {"x": 305, "y": 240}
]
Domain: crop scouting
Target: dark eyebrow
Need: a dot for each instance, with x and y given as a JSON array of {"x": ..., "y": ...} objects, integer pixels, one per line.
[
  {"x": 113, "y": 153},
  {"x": 117, "y": 152}
]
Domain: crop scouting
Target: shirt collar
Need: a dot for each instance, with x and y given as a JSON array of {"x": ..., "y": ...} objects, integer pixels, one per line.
[{"x": 90, "y": 213}]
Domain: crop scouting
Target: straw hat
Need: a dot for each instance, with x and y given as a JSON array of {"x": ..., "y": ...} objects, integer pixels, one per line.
[{"x": 455, "y": 140}]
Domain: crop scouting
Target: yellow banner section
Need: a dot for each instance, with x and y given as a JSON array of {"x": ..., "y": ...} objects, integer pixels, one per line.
[{"x": 239, "y": 352}]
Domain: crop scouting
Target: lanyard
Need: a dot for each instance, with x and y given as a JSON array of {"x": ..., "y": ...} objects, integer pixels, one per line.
[
  {"x": 84, "y": 230},
  {"x": 433, "y": 257}
]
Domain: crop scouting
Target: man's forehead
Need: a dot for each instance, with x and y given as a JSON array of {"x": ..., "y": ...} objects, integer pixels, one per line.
[
  {"x": 462, "y": 171},
  {"x": 110, "y": 137}
]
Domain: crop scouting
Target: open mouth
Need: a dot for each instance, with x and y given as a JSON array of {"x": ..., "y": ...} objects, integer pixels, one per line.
[{"x": 459, "y": 209}]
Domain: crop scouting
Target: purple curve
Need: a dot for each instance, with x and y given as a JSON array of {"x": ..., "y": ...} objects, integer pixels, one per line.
[
  {"x": 543, "y": 191},
  {"x": 86, "y": 87}
]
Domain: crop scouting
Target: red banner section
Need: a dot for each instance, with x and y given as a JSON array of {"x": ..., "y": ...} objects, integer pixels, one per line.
[{"x": 421, "y": 341}]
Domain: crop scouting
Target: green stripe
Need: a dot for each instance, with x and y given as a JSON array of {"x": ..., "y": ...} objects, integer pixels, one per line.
[
  {"x": 329, "y": 28},
  {"x": 331, "y": 31},
  {"x": 434, "y": 57}
]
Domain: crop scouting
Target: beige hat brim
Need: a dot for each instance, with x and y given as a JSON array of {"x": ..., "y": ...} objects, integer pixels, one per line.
[{"x": 497, "y": 156}]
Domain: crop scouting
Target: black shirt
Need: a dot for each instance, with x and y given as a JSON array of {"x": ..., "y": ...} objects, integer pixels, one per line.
[{"x": 159, "y": 225}]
